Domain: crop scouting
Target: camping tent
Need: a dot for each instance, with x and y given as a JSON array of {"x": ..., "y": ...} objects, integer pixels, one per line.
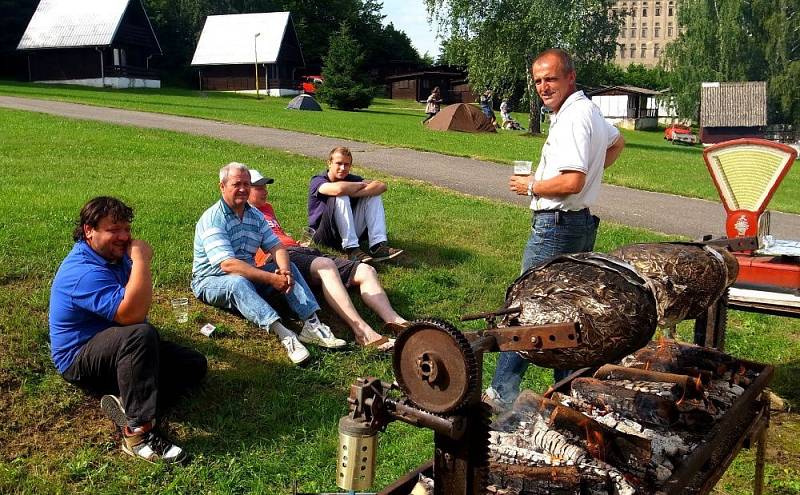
[
  {"x": 461, "y": 117},
  {"x": 304, "y": 102}
]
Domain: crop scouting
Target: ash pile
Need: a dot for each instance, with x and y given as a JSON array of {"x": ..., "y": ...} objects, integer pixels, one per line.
[{"x": 626, "y": 429}]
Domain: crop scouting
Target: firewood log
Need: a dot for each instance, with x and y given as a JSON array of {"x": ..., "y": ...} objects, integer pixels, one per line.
[{"x": 689, "y": 386}]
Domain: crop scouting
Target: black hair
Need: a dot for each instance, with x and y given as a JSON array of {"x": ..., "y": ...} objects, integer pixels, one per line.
[{"x": 99, "y": 208}]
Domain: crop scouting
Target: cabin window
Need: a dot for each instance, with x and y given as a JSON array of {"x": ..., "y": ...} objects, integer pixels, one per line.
[{"x": 120, "y": 58}]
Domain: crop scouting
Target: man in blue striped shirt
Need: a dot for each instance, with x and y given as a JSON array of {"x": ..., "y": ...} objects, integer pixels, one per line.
[{"x": 224, "y": 274}]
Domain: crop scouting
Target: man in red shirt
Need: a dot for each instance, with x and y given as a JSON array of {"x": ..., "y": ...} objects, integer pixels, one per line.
[{"x": 334, "y": 274}]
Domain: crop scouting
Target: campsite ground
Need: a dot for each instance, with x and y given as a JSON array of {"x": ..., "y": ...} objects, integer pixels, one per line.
[
  {"x": 258, "y": 423},
  {"x": 649, "y": 163}
]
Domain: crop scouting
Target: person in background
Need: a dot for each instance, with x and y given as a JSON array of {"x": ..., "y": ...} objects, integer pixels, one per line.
[
  {"x": 343, "y": 208},
  {"x": 334, "y": 274},
  {"x": 100, "y": 338},
  {"x": 580, "y": 145},
  {"x": 486, "y": 101},
  {"x": 433, "y": 104},
  {"x": 224, "y": 274}
]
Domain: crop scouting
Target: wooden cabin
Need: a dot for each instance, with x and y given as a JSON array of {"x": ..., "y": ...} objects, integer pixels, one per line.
[
  {"x": 418, "y": 85},
  {"x": 101, "y": 43},
  {"x": 628, "y": 107},
  {"x": 732, "y": 110},
  {"x": 233, "y": 47}
]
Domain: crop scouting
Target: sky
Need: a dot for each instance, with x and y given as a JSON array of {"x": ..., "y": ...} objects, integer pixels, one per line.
[{"x": 410, "y": 17}]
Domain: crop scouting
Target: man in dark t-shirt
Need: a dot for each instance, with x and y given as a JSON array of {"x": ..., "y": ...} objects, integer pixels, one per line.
[{"x": 344, "y": 208}]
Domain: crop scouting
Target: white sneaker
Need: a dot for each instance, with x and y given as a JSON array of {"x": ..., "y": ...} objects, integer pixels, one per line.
[
  {"x": 320, "y": 334},
  {"x": 297, "y": 352}
]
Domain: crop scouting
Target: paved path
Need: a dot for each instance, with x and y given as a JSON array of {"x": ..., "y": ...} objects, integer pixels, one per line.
[{"x": 655, "y": 211}]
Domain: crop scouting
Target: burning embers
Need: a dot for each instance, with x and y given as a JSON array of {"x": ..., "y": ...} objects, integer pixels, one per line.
[{"x": 626, "y": 430}]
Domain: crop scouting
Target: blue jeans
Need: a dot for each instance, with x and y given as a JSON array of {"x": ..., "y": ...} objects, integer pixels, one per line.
[
  {"x": 236, "y": 292},
  {"x": 553, "y": 233}
]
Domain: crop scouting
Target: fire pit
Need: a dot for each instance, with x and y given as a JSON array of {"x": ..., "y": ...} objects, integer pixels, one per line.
[
  {"x": 668, "y": 418},
  {"x": 630, "y": 429}
]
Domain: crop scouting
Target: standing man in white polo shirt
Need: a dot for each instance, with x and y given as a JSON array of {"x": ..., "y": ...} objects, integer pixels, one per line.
[{"x": 579, "y": 146}]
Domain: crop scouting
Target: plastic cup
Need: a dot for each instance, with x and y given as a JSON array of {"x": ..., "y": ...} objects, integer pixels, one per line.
[
  {"x": 180, "y": 307},
  {"x": 307, "y": 237},
  {"x": 522, "y": 167}
]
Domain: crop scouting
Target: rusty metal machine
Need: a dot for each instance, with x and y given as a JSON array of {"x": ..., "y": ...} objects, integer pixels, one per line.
[
  {"x": 437, "y": 371},
  {"x": 689, "y": 405}
]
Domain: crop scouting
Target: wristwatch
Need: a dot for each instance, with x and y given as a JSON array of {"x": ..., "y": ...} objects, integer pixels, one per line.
[{"x": 530, "y": 186}]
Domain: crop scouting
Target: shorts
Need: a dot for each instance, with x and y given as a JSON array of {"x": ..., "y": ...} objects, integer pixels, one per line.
[{"x": 302, "y": 257}]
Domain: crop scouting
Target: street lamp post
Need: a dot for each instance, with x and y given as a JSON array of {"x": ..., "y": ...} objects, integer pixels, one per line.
[{"x": 255, "y": 61}]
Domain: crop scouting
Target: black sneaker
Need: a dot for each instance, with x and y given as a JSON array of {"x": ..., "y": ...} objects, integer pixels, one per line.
[
  {"x": 152, "y": 447},
  {"x": 112, "y": 407},
  {"x": 356, "y": 254},
  {"x": 382, "y": 252}
]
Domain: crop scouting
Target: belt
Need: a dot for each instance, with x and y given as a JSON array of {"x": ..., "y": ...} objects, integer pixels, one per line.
[{"x": 562, "y": 212}]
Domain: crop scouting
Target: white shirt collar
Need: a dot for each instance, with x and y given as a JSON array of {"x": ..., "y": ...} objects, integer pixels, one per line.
[{"x": 577, "y": 95}]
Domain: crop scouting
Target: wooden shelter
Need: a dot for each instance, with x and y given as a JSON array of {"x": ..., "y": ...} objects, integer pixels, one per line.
[
  {"x": 628, "y": 107},
  {"x": 103, "y": 43},
  {"x": 232, "y": 46},
  {"x": 418, "y": 85},
  {"x": 732, "y": 110}
]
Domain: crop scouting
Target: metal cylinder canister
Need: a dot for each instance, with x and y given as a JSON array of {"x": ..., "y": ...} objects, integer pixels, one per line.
[{"x": 358, "y": 444}]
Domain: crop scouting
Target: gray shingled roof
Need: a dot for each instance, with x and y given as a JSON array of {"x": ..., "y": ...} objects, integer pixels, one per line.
[
  {"x": 733, "y": 104},
  {"x": 624, "y": 88}
]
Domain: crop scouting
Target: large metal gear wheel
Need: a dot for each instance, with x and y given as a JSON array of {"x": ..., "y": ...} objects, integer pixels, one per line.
[{"x": 435, "y": 366}]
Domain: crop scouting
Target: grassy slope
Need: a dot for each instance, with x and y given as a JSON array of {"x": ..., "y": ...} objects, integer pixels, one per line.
[
  {"x": 648, "y": 163},
  {"x": 258, "y": 423}
]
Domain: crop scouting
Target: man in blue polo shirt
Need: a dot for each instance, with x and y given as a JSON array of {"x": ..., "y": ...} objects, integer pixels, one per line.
[
  {"x": 99, "y": 334},
  {"x": 224, "y": 274}
]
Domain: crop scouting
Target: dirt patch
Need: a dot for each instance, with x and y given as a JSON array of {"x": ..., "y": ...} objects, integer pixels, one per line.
[{"x": 49, "y": 431}]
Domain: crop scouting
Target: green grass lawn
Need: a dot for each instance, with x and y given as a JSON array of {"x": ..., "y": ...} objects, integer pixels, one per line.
[
  {"x": 258, "y": 423},
  {"x": 648, "y": 163}
]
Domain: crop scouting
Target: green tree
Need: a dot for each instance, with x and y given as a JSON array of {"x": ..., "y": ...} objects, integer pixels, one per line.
[
  {"x": 345, "y": 87},
  {"x": 495, "y": 39},
  {"x": 644, "y": 77},
  {"x": 15, "y": 18},
  {"x": 737, "y": 40}
]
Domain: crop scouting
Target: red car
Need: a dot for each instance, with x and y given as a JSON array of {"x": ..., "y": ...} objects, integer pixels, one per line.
[
  {"x": 679, "y": 133},
  {"x": 309, "y": 84}
]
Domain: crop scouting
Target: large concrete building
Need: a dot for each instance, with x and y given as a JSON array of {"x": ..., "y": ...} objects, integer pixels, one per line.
[{"x": 649, "y": 25}]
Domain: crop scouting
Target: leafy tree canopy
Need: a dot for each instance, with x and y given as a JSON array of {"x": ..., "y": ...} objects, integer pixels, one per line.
[
  {"x": 494, "y": 39},
  {"x": 737, "y": 40}
]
